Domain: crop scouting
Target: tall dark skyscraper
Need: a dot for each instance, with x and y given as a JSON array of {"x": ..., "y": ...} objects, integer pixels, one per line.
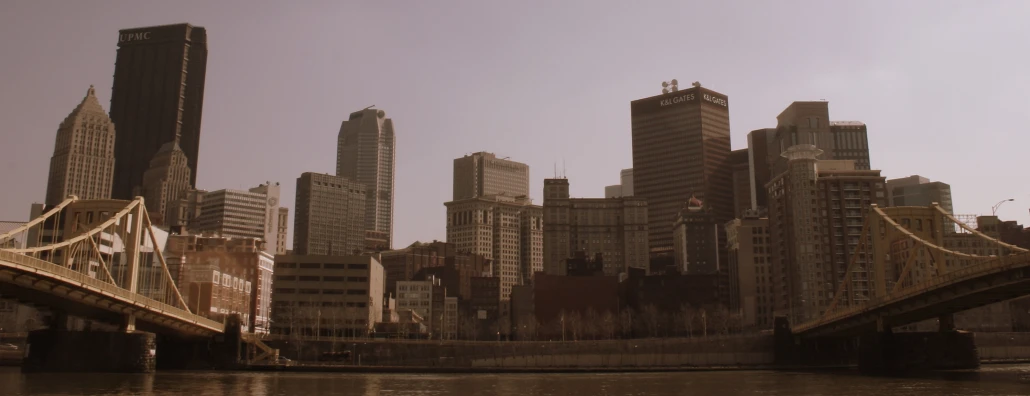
[
  {"x": 158, "y": 94},
  {"x": 681, "y": 145}
]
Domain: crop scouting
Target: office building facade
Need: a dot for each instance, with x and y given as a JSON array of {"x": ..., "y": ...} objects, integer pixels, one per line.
[
  {"x": 916, "y": 190},
  {"x": 681, "y": 141},
  {"x": 329, "y": 216},
  {"x": 442, "y": 260},
  {"x": 741, "y": 174},
  {"x": 83, "y": 160},
  {"x": 220, "y": 276},
  {"x": 751, "y": 266},
  {"x": 365, "y": 153},
  {"x": 624, "y": 188},
  {"x": 284, "y": 222},
  {"x": 816, "y": 213},
  {"x": 252, "y": 213},
  {"x": 482, "y": 174},
  {"x": 330, "y": 296},
  {"x": 696, "y": 239},
  {"x": 808, "y": 123},
  {"x": 157, "y": 97},
  {"x": 615, "y": 228},
  {"x": 506, "y": 230}
]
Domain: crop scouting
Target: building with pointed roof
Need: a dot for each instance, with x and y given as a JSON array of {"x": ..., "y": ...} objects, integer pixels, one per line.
[
  {"x": 83, "y": 160},
  {"x": 165, "y": 181}
]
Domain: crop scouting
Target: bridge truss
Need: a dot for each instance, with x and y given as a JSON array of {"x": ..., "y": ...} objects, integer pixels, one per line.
[
  {"x": 89, "y": 249},
  {"x": 911, "y": 250}
]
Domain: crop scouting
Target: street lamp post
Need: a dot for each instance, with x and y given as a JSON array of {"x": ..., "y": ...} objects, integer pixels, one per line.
[{"x": 994, "y": 209}]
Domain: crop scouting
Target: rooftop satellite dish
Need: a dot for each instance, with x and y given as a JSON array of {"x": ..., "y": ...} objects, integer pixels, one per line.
[
  {"x": 665, "y": 91},
  {"x": 674, "y": 82},
  {"x": 665, "y": 84}
]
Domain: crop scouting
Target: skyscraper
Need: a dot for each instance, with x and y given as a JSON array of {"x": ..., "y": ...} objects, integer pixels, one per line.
[
  {"x": 329, "y": 215},
  {"x": 158, "y": 95},
  {"x": 507, "y": 230},
  {"x": 365, "y": 154},
  {"x": 83, "y": 161},
  {"x": 681, "y": 141},
  {"x": 741, "y": 173},
  {"x": 284, "y": 220},
  {"x": 481, "y": 174},
  {"x": 816, "y": 212},
  {"x": 164, "y": 183},
  {"x": 624, "y": 188},
  {"x": 803, "y": 122}
]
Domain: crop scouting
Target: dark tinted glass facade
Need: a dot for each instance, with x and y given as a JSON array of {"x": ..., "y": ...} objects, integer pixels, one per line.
[
  {"x": 158, "y": 94},
  {"x": 681, "y": 145}
]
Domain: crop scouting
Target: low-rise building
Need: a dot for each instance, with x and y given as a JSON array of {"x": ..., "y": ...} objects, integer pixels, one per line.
[
  {"x": 327, "y": 295},
  {"x": 443, "y": 260}
]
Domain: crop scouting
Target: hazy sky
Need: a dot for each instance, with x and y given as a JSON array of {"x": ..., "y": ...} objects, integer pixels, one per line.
[{"x": 943, "y": 86}]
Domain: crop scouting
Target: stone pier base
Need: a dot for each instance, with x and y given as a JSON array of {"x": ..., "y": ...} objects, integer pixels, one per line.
[
  {"x": 890, "y": 353},
  {"x": 89, "y": 351}
]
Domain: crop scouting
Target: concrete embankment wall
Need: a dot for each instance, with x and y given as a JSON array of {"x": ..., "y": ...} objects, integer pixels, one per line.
[
  {"x": 1003, "y": 346},
  {"x": 729, "y": 351}
]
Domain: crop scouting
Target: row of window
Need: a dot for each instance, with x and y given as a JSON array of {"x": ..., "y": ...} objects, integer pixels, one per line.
[
  {"x": 322, "y": 266},
  {"x": 349, "y": 292},
  {"x": 315, "y": 278}
]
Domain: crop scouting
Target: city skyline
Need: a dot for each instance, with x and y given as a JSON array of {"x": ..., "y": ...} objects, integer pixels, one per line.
[{"x": 587, "y": 129}]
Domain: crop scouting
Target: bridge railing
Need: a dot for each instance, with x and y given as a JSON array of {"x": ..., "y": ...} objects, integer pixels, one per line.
[
  {"x": 57, "y": 271},
  {"x": 949, "y": 278}
]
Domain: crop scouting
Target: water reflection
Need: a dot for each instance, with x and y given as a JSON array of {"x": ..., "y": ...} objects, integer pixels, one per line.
[{"x": 991, "y": 380}]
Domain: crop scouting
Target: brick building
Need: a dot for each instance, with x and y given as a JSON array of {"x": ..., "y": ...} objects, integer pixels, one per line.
[{"x": 206, "y": 267}]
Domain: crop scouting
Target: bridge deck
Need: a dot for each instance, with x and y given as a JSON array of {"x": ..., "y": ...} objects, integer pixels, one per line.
[
  {"x": 41, "y": 282},
  {"x": 996, "y": 280}
]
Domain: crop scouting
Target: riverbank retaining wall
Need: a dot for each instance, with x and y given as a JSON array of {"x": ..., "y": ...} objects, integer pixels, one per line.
[
  {"x": 1003, "y": 346},
  {"x": 754, "y": 350}
]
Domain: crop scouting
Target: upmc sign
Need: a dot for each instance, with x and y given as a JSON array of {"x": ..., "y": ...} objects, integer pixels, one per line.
[
  {"x": 676, "y": 99},
  {"x": 137, "y": 36}
]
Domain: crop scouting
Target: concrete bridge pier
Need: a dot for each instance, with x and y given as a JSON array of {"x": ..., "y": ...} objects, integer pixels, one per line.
[
  {"x": 58, "y": 350},
  {"x": 887, "y": 352},
  {"x": 223, "y": 351},
  {"x": 791, "y": 350}
]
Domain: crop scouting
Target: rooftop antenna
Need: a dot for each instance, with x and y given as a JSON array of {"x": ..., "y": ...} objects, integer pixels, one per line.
[
  {"x": 555, "y": 169},
  {"x": 369, "y": 107},
  {"x": 563, "y": 168},
  {"x": 670, "y": 86}
]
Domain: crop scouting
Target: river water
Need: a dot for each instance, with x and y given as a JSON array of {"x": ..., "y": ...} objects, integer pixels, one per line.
[{"x": 990, "y": 380}]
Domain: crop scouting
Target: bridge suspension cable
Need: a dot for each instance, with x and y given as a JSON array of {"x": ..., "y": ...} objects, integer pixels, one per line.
[
  {"x": 935, "y": 261},
  {"x": 32, "y": 223},
  {"x": 123, "y": 249}
]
